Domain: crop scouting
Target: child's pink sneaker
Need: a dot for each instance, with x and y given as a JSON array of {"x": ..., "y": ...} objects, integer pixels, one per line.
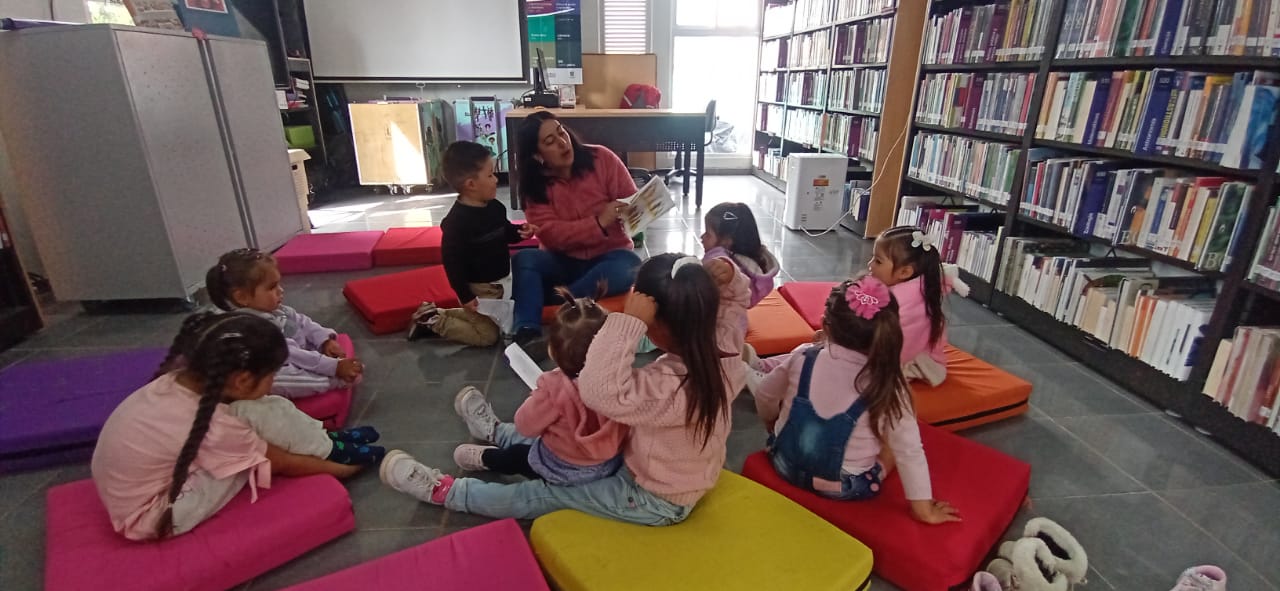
[{"x": 1202, "y": 578}]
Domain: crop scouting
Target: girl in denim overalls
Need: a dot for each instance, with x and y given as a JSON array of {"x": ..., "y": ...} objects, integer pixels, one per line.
[{"x": 831, "y": 406}]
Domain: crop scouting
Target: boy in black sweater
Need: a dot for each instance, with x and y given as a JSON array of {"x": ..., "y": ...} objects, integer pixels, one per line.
[{"x": 477, "y": 238}]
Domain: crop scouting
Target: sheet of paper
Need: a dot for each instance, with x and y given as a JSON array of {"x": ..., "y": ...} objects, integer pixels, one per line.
[
  {"x": 651, "y": 202},
  {"x": 523, "y": 365},
  {"x": 501, "y": 311}
]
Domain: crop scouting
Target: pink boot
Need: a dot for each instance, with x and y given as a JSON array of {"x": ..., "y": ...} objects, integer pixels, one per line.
[{"x": 1202, "y": 578}]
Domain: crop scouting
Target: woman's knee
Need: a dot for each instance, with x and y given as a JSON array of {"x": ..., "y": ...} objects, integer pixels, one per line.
[{"x": 531, "y": 259}]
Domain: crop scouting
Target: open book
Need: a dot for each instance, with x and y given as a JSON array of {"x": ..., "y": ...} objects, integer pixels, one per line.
[
  {"x": 651, "y": 202},
  {"x": 523, "y": 365}
]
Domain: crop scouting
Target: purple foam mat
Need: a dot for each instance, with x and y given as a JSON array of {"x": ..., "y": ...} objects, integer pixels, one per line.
[{"x": 50, "y": 410}]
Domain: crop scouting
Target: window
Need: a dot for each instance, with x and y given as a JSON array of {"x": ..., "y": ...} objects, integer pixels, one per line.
[
  {"x": 625, "y": 26},
  {"x": 717, "y": 14}
]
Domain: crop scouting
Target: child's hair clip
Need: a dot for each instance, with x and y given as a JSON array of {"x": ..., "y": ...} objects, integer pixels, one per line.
[
  {"x": 921, "y": 240},
  {"x": 866, "y": 297}
]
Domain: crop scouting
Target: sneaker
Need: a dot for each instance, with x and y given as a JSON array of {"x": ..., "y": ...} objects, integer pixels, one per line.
[
  {"x": 749, "y": 355},
  {"x": 420, "y": 327},
  {"x": 470, "y": 457},
  {"x": 754, "y": 378},
  {"x": 985, "y": 581},
  {"x": 1202, "y": 578},
  {"x": 403, "y": 473},
  {"x": 530, "y": 340},
  {"x": 471, "y": 405}
]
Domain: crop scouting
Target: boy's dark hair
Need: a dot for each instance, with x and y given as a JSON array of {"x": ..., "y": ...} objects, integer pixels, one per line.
[
  {"x": 576, "y": 324},
  {"x": 880, "y": 382},
  {"x": 463, "y": 160},
  {"x": 736, "y": 222},
  {"x": 926, "y": 264},
  {"x": 533, "y": 177},
  {"x": 689, "y": 306},
  {"x": 242, "y": 268},
  {"x": 212, "y": 346}
]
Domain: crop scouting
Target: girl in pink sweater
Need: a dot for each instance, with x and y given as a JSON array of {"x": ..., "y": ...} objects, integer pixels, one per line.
[
  {"x": 828, "y": 407},
  {"x": 554, "y": 437},
  {"x": 677, "y": 407}
]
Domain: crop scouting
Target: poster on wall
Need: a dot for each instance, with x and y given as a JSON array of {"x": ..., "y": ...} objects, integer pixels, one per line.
[{"x": 555, "y": 27}]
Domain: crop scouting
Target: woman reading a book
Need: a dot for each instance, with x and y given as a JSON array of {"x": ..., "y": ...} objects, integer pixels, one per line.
[{"x": 571, "y": 192}]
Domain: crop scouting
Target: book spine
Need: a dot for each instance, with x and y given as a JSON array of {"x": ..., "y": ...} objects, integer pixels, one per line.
[{"x": 1156, "y": 111}]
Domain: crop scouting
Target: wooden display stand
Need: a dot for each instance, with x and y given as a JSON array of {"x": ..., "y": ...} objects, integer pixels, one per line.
[{"x": 388, "y": 143}]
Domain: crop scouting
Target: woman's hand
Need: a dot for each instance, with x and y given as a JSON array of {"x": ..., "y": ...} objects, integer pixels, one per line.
[
  {"x": 610, "y": 213},
  {"x": 641, "y": 306},
  {"x": 934, "y": 512}
]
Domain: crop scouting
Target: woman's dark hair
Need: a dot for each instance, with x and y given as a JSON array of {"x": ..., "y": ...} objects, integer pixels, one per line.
[
  {"x": 689, "y": 307},
  {"x": 924, "y": 263},
  {"x": 880, "y": 382},
  {"x": 211, "y": 347},
  {"x": 533, "y": 177},
  {"x": 576, "y": 324},
  {"x": 242, "y": 268},
  {"x": 735, "y": 221}
]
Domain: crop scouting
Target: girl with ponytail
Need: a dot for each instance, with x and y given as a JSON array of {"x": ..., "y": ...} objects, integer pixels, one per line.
[
  {"x": 171, "y": 454},
  {"x": 677, "y": 407},
  {"x": 829, "y": 407}
]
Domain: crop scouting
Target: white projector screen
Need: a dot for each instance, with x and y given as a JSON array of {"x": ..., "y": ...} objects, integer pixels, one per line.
[{"x": 417, "y": 40}]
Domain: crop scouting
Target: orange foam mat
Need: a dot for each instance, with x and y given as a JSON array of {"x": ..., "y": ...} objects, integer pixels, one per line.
[
  {"x": 974, "y": 393},
  {"x": 774, "y": 327}
]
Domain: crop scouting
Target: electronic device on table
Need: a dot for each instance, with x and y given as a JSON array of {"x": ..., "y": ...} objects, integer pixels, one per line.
[{"x": 540, "y": 96}]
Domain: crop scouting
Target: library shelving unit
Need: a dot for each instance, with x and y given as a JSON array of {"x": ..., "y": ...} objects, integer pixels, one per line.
[
  {"x": 825, "y": 68},
  {"x": 1239, "y": 302}
]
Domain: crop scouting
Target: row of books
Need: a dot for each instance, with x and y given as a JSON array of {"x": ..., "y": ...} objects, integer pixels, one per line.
[
  {"x": 772, "y": 87},
  {"x": 772, "y": 161},
  {"x": 860, "y": 89},
  {"x": 810, "y": 50},
  {"x": 851, "y": 135},
  {"x": 1190, "y": 218},
  {"x": 997, "y": 32},
  {"x": 777, "y": 19},
  {"x": 1107, "y": 28},
  {"x": 1119, "y": 301},
  {"x": 986, "y": 101},
  {"x": 847, "y": 9},
  {"x": 812, "y": 13},
  {"x": 1219, "y": 118},
  {"x": 806, "y": 88},
  {"x": 1245, "y": 376},
  {"x": 978, "y": 252},
  {"x": 773, "y": 55},
  {"x": 804, "y": 127},
  {"x": 1266, "y": 260},
  {"x": 864, "y": 42},
  {"x": 955, "y": 229},
  {"x": 972, "y": 166},
  {"x": 770, "y": 118}
]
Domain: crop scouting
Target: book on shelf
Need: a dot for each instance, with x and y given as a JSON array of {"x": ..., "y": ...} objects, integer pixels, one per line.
[
  {"x": 860, "y": 89},
  {"x": 1124, "y": 28},
  {"x": 847, "y": 9},
  {"x": 1217, "y": 118},
  {"x": 777, "y": 19},
  {"x": 909, "y": 208},
  {"x": 977, "y": 253},
  {"x": 851, "y": 135},
  {"x": 976, "y": 167},
  {"x": 772, "y": 87},
  {"x": 806, "y": 88},
  {"x": 1245, "y": 376},
  {"x": 770, "y": 118},
  {"x": 773, "y": 54},
  {"x": 863, "y": 42},
  {"x": 1265, "y": 270},
  {"x": 857, "y": 199},
  {"x": 996, "y": 32},
  {"x": 772, "y": 161},
  {"x": 810, "y": 50},
  {"x": 986, "y": 101},
  {"x": 948, "y": 227},
  {"x": 804, "y": 127},
  {"x": 812, "y": 13}
]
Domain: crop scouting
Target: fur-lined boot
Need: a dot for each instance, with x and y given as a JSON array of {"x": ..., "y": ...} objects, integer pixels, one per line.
[{"x": 1027, "y": 565}]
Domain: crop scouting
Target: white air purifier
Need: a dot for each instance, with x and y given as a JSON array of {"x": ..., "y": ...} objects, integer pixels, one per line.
[{"x": 815, "y": 191}]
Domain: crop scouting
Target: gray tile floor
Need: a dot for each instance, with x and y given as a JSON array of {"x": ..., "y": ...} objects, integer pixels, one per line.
[{"x": 1144, "y": 494}]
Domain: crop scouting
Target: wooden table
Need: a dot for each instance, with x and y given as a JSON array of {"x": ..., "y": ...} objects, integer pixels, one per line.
[{"x": 624, "y": 130}]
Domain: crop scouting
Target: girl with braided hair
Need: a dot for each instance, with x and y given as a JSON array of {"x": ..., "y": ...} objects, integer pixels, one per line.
[{"x": 172, "y": 454}]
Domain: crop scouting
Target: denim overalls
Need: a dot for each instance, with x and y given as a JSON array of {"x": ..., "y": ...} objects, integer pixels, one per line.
[{"x": 809, "y": 450}]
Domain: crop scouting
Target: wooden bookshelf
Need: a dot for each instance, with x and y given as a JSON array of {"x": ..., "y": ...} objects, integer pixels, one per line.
[
  {"x": 899, "y": 77},
  {"x": 1238, "y": 302}
]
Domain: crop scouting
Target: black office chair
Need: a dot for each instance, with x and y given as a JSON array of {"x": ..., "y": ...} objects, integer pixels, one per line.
[{"x": 687, "y": 168}]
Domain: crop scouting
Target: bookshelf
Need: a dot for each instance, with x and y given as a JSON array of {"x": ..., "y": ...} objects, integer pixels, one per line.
[
  {"x": 1064, "y": 51},
  {"x": 825, "y": 68}
]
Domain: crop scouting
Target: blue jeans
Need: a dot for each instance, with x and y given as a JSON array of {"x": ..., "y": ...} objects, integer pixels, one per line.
[
  {"x": 859, "y": 487},
  {"x": 617, "y": 497},
  {"x": 535, "y": 273}
]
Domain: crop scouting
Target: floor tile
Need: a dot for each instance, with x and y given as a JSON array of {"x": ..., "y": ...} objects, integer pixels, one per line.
[
  {"x": 962, "y": 311},
  {"x": 1065, "y": 390},
  {"x": 1242, "y": 517},
  {"x": 1004, "y": 345},
  {"x": 1159, "y": 455},
  {"x": 422, "y": 414}
]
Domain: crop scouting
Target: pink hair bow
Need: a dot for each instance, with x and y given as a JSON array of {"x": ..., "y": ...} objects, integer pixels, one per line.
[{"x": 866, "y": 297}]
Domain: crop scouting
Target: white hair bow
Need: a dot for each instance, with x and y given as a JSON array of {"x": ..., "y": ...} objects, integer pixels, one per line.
[{"x": 921, "y": 240}]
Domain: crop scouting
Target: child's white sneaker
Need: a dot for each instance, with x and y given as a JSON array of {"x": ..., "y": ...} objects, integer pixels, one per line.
[
  {"x": 1202, "y": 578},
  {"x": 754, "y": 378},
  {"x": 403, "y": 473},
  {"x": 470, "y": 457},
  {"x": 1071, "y": 558},
  {"x": 471, "y": 405},
  {"x": 1028, "y": 565}
]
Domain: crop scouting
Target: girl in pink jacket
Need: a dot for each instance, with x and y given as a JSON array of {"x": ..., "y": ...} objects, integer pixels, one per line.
[
  {"x": 730, "y": 231},
  {"x": 907, "y": 260},
  {"x": 555, "y": 437}
]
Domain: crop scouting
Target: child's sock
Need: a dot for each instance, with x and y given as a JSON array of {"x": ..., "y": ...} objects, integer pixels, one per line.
[
  {"x": 441, "y": 491},
  {"x": 356, "y": 454},
  {"x": 357, "y": 435}
]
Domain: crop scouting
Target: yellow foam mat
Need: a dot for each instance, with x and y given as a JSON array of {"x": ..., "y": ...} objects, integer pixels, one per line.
[{"x": 740, "y": 536}]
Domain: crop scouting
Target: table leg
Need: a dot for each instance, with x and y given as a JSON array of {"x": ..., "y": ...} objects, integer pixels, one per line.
[
  {"x": 687, "y": 158},
  {"x": 701, "y": 160}
]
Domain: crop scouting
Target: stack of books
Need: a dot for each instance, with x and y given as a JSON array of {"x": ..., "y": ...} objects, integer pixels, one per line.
[
  {"x": 847, "y": 9},
  {"x": 812, "y": 13},
  {"x": 1245, "y": 375},
  {"x": 864, "y": 42},
  {"x": 978, "y": 252},
  {"x": 850, "y": 135},
  {"x": 962, "y": 232},
  {"x": 985, "y": 101},
  {"x": 860, "y": 89},
  {"x": 806, "y": 88},
  {"x": 972, "y": 166},
  {"x": 1114, "y": 28},
  {"x": 804, "y": 127},
  {"x": 1005, "y": 32},
  {"x": 771, "y": 161},
  {"x": 810, "y": 50},
  {"x": 1219, "y": 118}
]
